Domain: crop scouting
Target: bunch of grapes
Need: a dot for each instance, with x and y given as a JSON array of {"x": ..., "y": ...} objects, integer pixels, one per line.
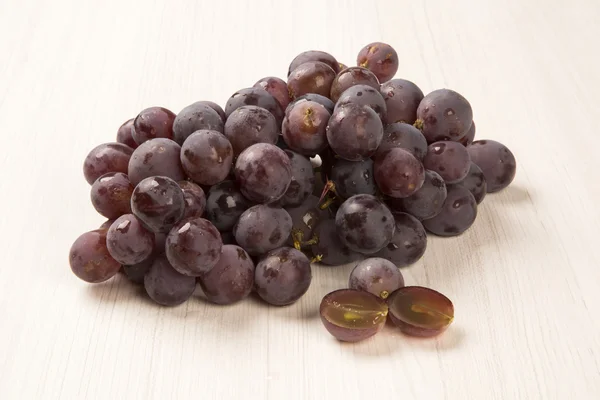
[{"x": 337, "y": 165}]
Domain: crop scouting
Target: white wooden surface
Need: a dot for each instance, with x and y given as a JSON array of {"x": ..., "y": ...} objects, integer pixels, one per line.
[{"x": 525, "y": 280}]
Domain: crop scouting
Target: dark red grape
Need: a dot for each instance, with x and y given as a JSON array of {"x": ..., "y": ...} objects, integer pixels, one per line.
[
  {"x": 303, "y": 180},
  {"x": 156, "y": 157},
  {"x": 215, "y": 107},
  {"x": 207, "y": 157},
  {"x": 225, "y": 204},
  {"x": 377, "y": 276},
  {"x": 193, "y": 246},
  {"x": 159, "y": 202},
  {"x": 317, "y": 98},
  {"x": 248, "y": 125},
  {"x": 406, "y": 137},
  {"x": 195, "y": 117},
  {"x": 350, "y": 77},
  {"x": 128, "y": 241},
  {"x": 89, "y": 258},
  {"x": 427, "y": 202},
  {"x": 231, "y": 279},
  {"x": 398, "y": 173},
  {"x": 262, "y": 228},
  {"x": 402, "y": 99},
  {"x": 496, "y": 161},
  {"x": 111, "y": 195},
  {"x": 105, "y": 158},
  {"x": 364, "y": 95},
  {"x": 449, "y": 159},
  {"x": 305, "y": 219},
  {"x": 151, "y": 123},
  {"x": 408, "y": 243},
  {"x": 282, "y": 276},
  {"x": 457, "y": 215},
  {"x": 314, "y": 55},
  {"x": 354, "y": 132},
  {"x": 310, "y": 77},
  {"x": 353, "y": 315},
  {"x": 469, "y": 137},
  {"x": 328, "y": 248},
  {"x": 125, "y": 132},
  {"x": 195, "y": 199},
  {"x": 166, "y": 286},
  {"x": 364, "y": 224},
  {"x": 304, "y": 128},
  {"x": 353, "y": 177},
  {"x": 444, "y": 115},
  {"x": 254, "y": 97},
  {"x": 277, "y": 88},
  {"x": 379, "y": 58},
  {"x": 106, "y": 224},
  {"x": 135, "y": 273},
  {"x": 264, "y": 172},
  {"x": 475, "y": 183}
]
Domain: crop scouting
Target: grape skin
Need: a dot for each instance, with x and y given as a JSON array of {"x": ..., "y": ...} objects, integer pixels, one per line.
[
  {"x": 314, "y": 55},
  {"x": 311, "y": 77},
  {"x": 475, "y": 183},
  {"x": 353, "y": 177},
  {"x": 408, "y": 244},
  {"x": 303, "y": 180},
  {"x": 105, "y": 158},
  {"x": 89, "y": 258},
  {"x": 449, "y": 159},
  {"x": 364, "y": 224},
  {"x": 166, "y": 286},
  {"x": 329, "y": 248},
  {"x": 317, "y": 98},
  {"x": 206, "y": 157},
  {"x": 125, "y": 132},
  {"x": 248, "y": 125},
  {"x": 282, "y": 276},
  {"x": 398, "y": 173},
  {"x": 496, "y": 161},
  {"x": 215, "y": 107},
  {"x": 135, "y": 273},
  {"x": 128, "y": 241},
  {"x": 468, "y": 139},
  {"x": 155, "y": 157},
  {"x": 111, "y": 195},
  {"x": 305, "y": 219},
  {"x": 151, "y": 123},
  {"x": 377, "y": 276},
  {"x": 262, "y": 228},
  {"x": 254, "y": 97},
  {"x": 457, "y": 215},
  {"x": 364, "y": 95},
  {"x": 404, "y": 136},
  {"x": 354, "y": 132},
  {"x": 224, "y": 205},
  {"x": 349, "y": 77},
  {"x": 159, "y": 202},
  {"x": 195, "y": 199},
  {"x": 195, "y": 117},
  {"x": 304, "y": 128},
  {"x": 444, "y": 115},
  {"x": 402, "y": 99},
  {"x": 427, "y": 202},
  {"x": 277, "y": 88},
  {"x": 379, "y": 58}
]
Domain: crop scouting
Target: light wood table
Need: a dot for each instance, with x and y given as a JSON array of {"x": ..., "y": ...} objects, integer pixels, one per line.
[{"x": 525, "y": 280}]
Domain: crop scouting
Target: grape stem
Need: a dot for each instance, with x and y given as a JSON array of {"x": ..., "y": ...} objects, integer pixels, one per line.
[
  {"x": 297, "y": 237},
  {"x": 311, "y": 241},
  {"x": 418, "y": 124},
  {"x": 316, "y": 258}
]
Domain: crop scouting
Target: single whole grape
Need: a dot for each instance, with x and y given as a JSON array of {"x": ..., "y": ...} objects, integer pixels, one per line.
[
  {"x": 262, "y": 228},
  {"x": 311, "y": 77},
  {"x": 353, "y": 177},
  {"x": 449, "y": 159},
  {"x": 349, "y": 77},
  {"x": 125, "y": 132},
  {"x": 105, "y": 158},
  {"x": 304, "y": 128},
  {"x": 314, "y": 55},
  {"x": 457, "y": 215},
  {"x": 354, "y": 132},
  {"x": 496, "y": 161},
  {"x": 111, "y": 195},
  {"x": 406, "y": 137},
  {"x": 151, "y": 123},
  {"x": 195, "y": 117},
  {"x": 402, "y": 99},
  {"x": 128, "y": 241},
  {"x": 444, "y": 115},
  {"x": 398, "y": 173},
  {"x": 276, "y": 88},
  {"x": 254, "y": 96},
  {"x": 195, "y": 199},
  {"x": 408, "y": 244},
  {"x": 206, "y": 157},
  {"x": 377, "y": 276},
  {"x": 89, "y": 258},
  {"x": 248, "y": 125},
  {"x": 225, "y": 204},
  {"x": 155, "y": 157},
  {"x": 427, "y": 202},
  {"x": 379, "y": 58},
  {"x": 475, "y": 183},
  {"x": 215, "y": 107},
  {"x": 317, "y": 98},
  {"x": 328, "y": 247},
  {"x": 166, "y": 286},
  {"x": 159, "y": 202},
  {"x": 364, "y": 95},
  {"x": 303, "y": 180}
]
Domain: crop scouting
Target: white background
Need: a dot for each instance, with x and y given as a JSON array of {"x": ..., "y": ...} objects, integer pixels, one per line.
[{"x": 525, "y": 280}]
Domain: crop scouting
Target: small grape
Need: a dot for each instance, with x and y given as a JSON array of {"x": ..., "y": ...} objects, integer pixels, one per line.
[
  {"x": 379, "y": 58},
  {"x": 311, "y": 77},
  {"x": 195, "y": 199},
  {"x": 364, "y": 95},
  {"x": 444, "y": 115},
  {"x": 496, "y": 161},
  {"x": 402, "y": 99},
  {"x": 354, "y": 132},
  {"x": 406, "y": 137},
  {"x": 166, "y": 286},
  {"x": 111, "y": 195},
  {"x": 128, "y": 241},
  {"x": 254, "y": 97},
  {"x": 328, "y": 247},
  {"x": 427, "y": 202},
  {"x": 449, "y": 159},
  {"x": 195, "y": 117},
  {"x": 206, "y": 157},
  {"x": 475, "y": 183},
  {"x": 304, "y": 128},
  {"x": 398, "y": 173},
  {"x": 317, "y": 98},
  {"x": 156, "y": 157},
  {"x": 105, "y": 158},
  {"x": 262, "y": 228},
  {"x": 125, "y": 132},
  {"x": 377, "y": 276},
  {"x": 408, "y": 244},
  {"x": 248, "y": 125},
  {"x": 215, "y": 107},
  {"x": 350, "y": 77},
  {"x": 159, "y": 202},
  {"x": 314, "y": 55},
  {"x": 303, "y": 180},
  {"x": 353, "y": 177},
  {"x": 282, "y": 276},
  {"x": 89, "y": 258},
  {"x": 151, "y": 123},
  {"x": 224, "y": 205},
  {"x": 457, "y": 215},
  {"x": 469, "y": 137},
  {"x": 277, "y": 88}
]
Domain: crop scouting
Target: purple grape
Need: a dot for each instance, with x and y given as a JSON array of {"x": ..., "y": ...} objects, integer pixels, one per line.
[
  {"x": 106, "y": 224},
  {"x": 195, "y": 117},
  {"x": 377, "y": 276},
  {"x": 89, "y": 258},
  {"x": 225, "y": 204},
  {"x": 254, "y": 97},
  {"x": 128, "y": 241},
  {"x": 135, "y": 273},
  {"x": 111, "y": 195},
  {"x": 303, "y": 180},
  {"x": 444, "y": 115},
  {"x": 328, "y": 248},
  {"x": 156, "y": 157},
  {"x": 195, "y": 199},
  {"x": 402, "y": 99},
  {"x": 496, "y": 161},
  {"x": 475, "y": 183},
  {"x": 469, "y": 137},
  {"x": 379, "y": 58},
  {"x": 105, "y": 158},
  {"x": 354, "y": 132},
  {"x": 311, "y": 77},
  {"x": 248, "y": 125},
  {"x": 427, "y": 202},
  {"x": 206, "y": 157},
  {"x": 317, "y": 98},
  {"x": 363, "y": 95},
  {"x": 353, "y": 177},
  {"x": 457, "y": 215},
  {"x": 151, "y": 123},
  {"x": 304, "y": 128},
  {"x": 277, "y": 88},
  {"x": 166, "y": 286},
  {"x": 262, "y": 228},
  {"x": 193, "y": 246},
  {"x": 125, "y": 132},
  {"x": 408, "y": 243},
  {"x": 398, "y": 173},
  {"x": 350, "y": 77},
  {"x": 364, "y": 224},
  {"x": 314, "y": 55},
  {"x": 404, "y": 136},
  {"x": 215, "y": 107},
  {"x": 449, "y": 159},
  {"x": 263, "y": 172},
  {"x": 159, "y": 202},
  {"x": 231, "y": 279},
  {"x": 282, "y": 276}
]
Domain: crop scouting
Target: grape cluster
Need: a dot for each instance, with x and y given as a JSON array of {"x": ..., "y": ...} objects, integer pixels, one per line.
[{"x": 337, "y": 165}]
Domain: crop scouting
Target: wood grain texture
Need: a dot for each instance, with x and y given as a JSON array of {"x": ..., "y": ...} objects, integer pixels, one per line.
[{"x": 525, "y": 280}]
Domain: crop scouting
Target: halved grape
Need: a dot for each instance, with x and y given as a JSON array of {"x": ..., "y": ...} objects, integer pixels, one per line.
[
  {"x": 89, "y": 258},
  {"x": 159, "y": 202},
  {"x": 402, "y": 99},
  {"x": 254, "y": 97},
  {"x": 195, "y": 199},
  {"x": 195, "y": 117},
  {"x": 457, "y": 215},
  {"x": 475, "y": 183},
  {"x": 496, "y": 161},
  {"x": 420, "y": 311},
  {"x": 207, "y": 157},
  {"x": 156, "y": 157},
  {"x": 469, "y": 137},
  {"x": 317, "y": 98},
  {"x": 311, "y": 77},
  {"x": 444, "y": 115},
  {"x": 248, "y": 125},
  {"x": 314, "y": 55},
  {"x": 377, "y": 276},
  {"x": 128, "y": 241},
  {"x": 350, "y": 77},
  {"x": 449, "y": 159},
  {"x": 304, "y": 128},
  {"x": 151, "y": 123},
  {"x": 398, "y": 173},
  {"x": 352, "y": 315},
  {"x": 353, "y": 177},
  {"x": 277, "y": 88},
  {"x": 406, "y": 137},
  {"x": 379, "y": 58},
  {"x": 328, "y": 248},
  {"x": 303, "y": 180},
  {"x": 111, "y": 195},
  {"x": 408, "y": 244},
  {"x": 125, "y": 132},
  {"x": 364, "y": 95},
  {"x": 354, "y": 132},
  {"x": 105, "y": 158},
  {"x": 225, "y": 204},
  {"x": 262, "y": 228},
  {"x": 426, "y": 202},
  {"x": 166, "y": 286}
]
